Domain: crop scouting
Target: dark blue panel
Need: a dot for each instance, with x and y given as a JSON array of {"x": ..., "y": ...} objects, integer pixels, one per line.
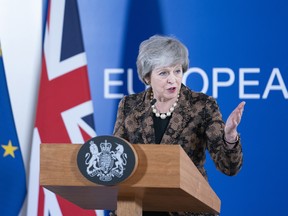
[
  {"x": 72, "y": 37},
  {"x": 89, "y": 120}
]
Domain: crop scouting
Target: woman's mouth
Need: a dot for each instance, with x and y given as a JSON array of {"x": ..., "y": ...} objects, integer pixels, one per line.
[{"x": 172, "y": 89}]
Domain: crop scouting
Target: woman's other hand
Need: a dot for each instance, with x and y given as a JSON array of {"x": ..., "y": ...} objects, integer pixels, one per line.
[{"x": 232, "y": 123}]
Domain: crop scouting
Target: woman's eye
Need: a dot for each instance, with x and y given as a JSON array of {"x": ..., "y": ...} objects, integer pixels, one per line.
[
  {"x": 178, "y": 71},
  {"x": 163, "y": 73}
]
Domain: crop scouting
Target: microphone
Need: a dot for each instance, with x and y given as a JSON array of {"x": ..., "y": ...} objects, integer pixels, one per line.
[{"x": 153, "y": 101}]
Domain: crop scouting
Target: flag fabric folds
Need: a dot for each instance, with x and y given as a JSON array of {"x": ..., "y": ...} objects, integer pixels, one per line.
[
  {"x": 64, "y": 109},
  {"x": 12, "y": 171}
]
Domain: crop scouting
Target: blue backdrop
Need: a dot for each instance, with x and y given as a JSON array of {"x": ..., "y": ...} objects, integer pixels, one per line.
[{"x": 238, "y": 51}]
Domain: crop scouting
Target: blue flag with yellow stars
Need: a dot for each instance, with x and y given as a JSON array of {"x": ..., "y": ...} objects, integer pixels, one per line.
[{"x": 12, "y": 172}]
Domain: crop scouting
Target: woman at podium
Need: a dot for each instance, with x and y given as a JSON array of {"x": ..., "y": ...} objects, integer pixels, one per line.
[{"x": 170, "y": 112}]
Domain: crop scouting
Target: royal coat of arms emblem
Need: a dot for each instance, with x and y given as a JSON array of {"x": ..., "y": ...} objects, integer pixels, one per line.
[{"x": 106, "y": 160}]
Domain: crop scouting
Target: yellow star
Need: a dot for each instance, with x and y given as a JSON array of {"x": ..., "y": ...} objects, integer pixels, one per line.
[{"x": 9, "y": 149}]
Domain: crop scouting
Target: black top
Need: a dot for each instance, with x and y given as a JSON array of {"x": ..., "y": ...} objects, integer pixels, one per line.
[{"x": 160, "y": 126}]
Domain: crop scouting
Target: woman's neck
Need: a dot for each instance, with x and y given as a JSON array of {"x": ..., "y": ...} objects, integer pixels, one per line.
[{"x": 164, "y": 105}]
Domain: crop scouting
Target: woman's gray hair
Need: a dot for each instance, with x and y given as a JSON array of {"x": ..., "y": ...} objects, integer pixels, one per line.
[{"x": 160, "y": 51}]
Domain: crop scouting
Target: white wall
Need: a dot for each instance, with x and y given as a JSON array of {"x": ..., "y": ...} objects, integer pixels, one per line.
[{"x": 21, "y": 38}]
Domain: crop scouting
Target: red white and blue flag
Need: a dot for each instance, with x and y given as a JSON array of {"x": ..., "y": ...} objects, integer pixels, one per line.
[{"x": 64, "y": 110}]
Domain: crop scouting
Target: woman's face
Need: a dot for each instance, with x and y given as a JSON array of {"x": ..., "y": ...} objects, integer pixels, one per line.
[{"x": 166, "y": 82}]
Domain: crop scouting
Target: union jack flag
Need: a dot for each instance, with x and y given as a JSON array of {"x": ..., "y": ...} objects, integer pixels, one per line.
[{"x": 64, "y": 110}]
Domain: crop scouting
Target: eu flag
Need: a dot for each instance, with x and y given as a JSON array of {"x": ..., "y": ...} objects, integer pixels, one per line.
[{"x": 12, "y": 173}]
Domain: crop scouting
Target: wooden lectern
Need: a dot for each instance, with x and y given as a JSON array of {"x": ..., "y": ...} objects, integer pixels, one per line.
[{"x": 165, "y": 180}]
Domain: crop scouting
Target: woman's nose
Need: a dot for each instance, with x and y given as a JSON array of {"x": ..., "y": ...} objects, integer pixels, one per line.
[{"x": 171, "y": 78}]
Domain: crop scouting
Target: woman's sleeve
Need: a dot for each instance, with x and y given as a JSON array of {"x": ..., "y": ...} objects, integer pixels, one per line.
[
  {"x": 228, "y": 161},
  {"x": 119, "y": 128}
]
